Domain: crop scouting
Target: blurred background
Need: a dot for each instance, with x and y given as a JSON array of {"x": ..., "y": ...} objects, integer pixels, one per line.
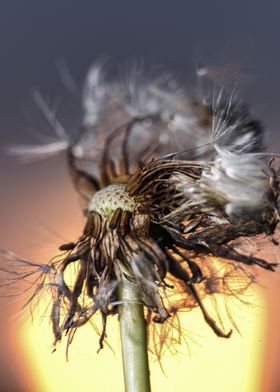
[{"x": 49, "y": 45}]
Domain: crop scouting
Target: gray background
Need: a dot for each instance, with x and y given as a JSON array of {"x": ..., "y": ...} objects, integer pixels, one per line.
[{"x": 175, "y": 34}]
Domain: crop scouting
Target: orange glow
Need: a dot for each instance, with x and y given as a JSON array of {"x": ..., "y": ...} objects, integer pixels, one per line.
[{"x": 212, "y": 364}]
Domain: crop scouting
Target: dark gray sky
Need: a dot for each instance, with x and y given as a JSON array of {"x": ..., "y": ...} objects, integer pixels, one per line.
[{"x": 175, "y": 34}]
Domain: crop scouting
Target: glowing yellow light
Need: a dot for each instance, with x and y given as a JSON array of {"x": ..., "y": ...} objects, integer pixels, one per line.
[{"x": 212, "y": 365}]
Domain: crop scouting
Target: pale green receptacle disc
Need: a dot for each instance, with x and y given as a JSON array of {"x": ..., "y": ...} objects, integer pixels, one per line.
[{"x": 108, "y": 199}]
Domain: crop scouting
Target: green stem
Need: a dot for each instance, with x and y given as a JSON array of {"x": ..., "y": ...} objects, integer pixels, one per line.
[{"x": 134, "y": 340}]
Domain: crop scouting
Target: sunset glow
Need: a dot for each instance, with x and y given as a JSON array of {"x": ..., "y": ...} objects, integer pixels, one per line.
[{"x": 210, "y": 363}]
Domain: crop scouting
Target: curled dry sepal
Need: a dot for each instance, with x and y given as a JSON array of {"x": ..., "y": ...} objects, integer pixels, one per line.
[{"x": 170, "y": 183}]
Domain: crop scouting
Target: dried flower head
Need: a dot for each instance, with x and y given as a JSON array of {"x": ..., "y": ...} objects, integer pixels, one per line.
[{"x": 170, "y": 183}]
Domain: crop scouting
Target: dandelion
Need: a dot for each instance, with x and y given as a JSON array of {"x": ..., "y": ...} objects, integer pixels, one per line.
[{"x": 170, "y": 183}]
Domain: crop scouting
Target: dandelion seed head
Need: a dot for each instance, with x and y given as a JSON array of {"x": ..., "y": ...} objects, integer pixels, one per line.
[
  {"x": 171, "y": 183},
  {"x": 238, "y": 182}
]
